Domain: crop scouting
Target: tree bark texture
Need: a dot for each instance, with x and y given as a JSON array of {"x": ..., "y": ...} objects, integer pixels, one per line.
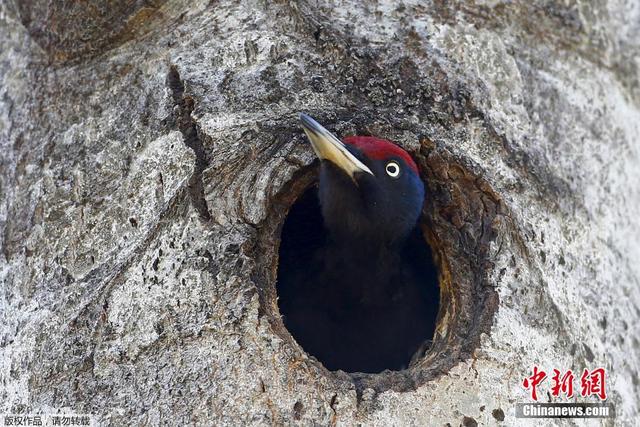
[{"x": 150, "y": 151}]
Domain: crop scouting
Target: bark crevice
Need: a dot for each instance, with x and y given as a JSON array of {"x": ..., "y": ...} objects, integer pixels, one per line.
[{"x": 184, "y": 105}]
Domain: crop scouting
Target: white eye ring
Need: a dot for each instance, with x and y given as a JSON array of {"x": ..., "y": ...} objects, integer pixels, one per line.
[{"x": 392, "y": 169}]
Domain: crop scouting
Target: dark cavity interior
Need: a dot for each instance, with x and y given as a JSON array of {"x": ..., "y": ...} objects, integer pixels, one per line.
[{"x": 333, "y": 327}]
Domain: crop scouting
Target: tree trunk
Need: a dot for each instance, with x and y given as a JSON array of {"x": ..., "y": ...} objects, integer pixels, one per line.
[{"x": 150, "y": 151}]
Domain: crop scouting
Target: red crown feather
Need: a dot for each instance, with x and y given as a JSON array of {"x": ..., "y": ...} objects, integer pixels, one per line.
[{"x": 380, "y": 149}]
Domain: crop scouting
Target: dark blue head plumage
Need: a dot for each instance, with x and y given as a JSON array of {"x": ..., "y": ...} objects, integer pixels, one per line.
[{"x": 370, "y": 191}]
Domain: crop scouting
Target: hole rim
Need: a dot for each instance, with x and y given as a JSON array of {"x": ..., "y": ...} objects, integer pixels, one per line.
[{"x": 468, "y": 301}]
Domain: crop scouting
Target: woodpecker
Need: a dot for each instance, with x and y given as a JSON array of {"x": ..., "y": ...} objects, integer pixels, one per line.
[{"x": 364, "y": 301}]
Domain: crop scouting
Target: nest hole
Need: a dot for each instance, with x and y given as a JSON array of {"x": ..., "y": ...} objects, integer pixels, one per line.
[
  {"x": 340, "y": 331},
  {"x": 461, "y": 218}
]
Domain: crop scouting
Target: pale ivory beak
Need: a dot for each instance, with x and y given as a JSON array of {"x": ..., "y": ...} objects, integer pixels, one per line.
[{"x": 328, "y": 147}]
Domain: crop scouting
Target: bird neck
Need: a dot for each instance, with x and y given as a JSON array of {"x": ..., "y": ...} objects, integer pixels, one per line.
[{"x": 367, "y": 260}]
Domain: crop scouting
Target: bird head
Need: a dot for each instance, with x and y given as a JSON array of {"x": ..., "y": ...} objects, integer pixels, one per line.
[{"x": 369, "y": 188}]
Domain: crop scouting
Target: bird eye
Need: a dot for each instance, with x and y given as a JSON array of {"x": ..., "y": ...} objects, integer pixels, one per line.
[{"x": 392, "y": 169}]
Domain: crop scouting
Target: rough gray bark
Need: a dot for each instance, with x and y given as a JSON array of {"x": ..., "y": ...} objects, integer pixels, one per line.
[{"x": 150, "y": 151}]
